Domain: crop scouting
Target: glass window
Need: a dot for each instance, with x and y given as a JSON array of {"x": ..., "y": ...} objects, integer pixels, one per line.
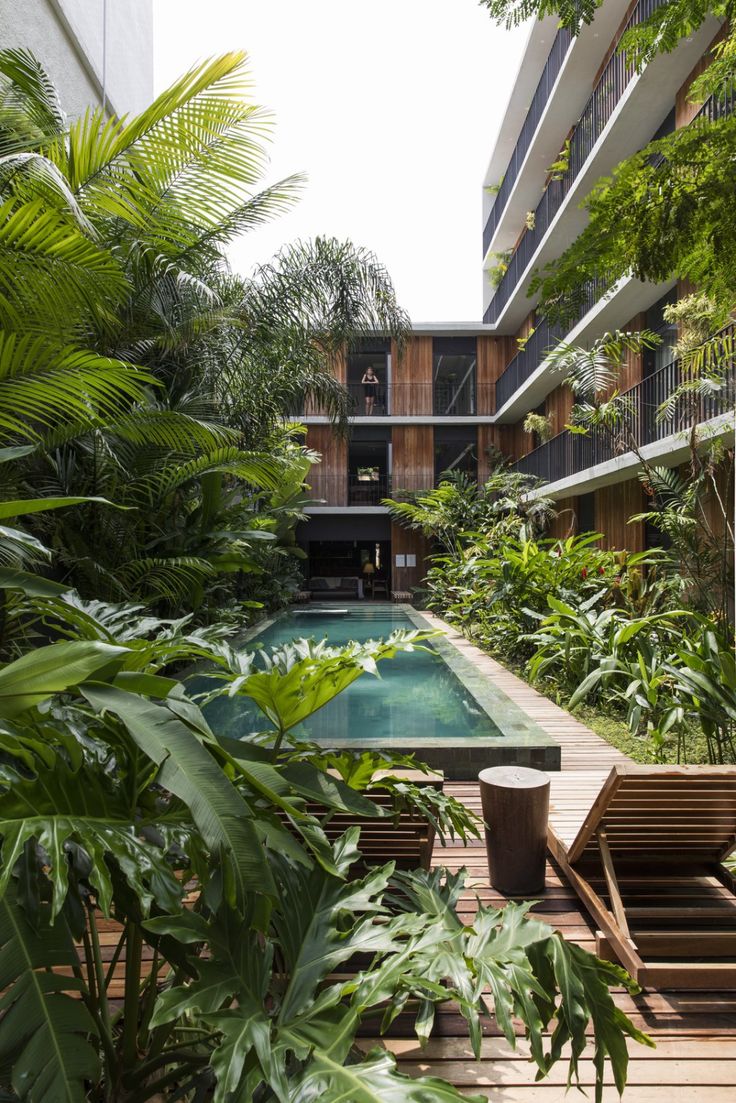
[
  {"x": 455, "y": 449},
  {"x": 453, "y": 374}
]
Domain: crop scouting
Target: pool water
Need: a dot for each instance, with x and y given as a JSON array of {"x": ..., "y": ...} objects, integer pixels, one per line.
[{"x": 417, "y": 701}]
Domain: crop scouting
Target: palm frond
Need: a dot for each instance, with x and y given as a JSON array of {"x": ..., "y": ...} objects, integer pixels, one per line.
[
  {"x": 42, "y": 385},
  {"x": 30, "y": 111}
]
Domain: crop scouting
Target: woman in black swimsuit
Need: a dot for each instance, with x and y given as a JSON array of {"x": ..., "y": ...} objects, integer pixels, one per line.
[{"x": 370, "y": 386}]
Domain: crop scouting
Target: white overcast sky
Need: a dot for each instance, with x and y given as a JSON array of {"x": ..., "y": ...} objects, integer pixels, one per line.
[{"x": 389, "y": 106}]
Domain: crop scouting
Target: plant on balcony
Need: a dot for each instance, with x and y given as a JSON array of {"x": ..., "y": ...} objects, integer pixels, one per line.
[
  {"x": 368, "y": 474},
  {"x": 538, "y": 425},
  {"x": 530, "y": 219},
  {"x": 493, "y": 189},
  {"x": 499, "y": 270},
  {"x": 522, "y": 342},
  {"x": 559, "y": 167}
]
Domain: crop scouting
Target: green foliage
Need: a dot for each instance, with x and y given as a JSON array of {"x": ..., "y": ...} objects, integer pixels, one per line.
[
  {"x": 559, "y": 167},
  {"x": 571, "y": 13},
  {"x": 498, "y": 270},
  {"x": 140, "y": 370},
  {"x": 113, "y": 809},
  {"x": 459, "y": 508},
  {"x": 539, "y": 425}
]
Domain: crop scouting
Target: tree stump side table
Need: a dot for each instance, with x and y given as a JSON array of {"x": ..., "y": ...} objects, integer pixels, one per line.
[{"x": 515, "y": 802}]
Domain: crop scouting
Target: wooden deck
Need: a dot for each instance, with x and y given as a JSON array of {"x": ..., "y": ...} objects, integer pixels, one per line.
[{"x": 695, "y": 1032}]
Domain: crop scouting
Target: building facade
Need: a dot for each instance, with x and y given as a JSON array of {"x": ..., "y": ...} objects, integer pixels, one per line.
[
  {"x": 462, "y": 392},
  {"x": 93, "y": 50}
]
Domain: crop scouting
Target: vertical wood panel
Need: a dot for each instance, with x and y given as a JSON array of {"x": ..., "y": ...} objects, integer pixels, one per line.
[
  {"x": 412, "y": 457},
  {"x": 566, "y": 522},
  {"x": 328, "y": 479},
  {"x": 510, "y": 440},
  {"x": 613, "y": 507},
  {"x": 406, "y": 542},
  {"x": 558, "y": 405},
  {"x": 494, "y": 356},
  {"x": 632, "y": 369},
  {"x": 411, "y": 377}
]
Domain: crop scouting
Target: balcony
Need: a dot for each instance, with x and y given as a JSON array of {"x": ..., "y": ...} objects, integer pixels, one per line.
[
  {"x": 570, "y": 454},
  {"x": 466, "y": 398},
  {"x": 551, "y": 70},
  {"x": 611, "y": 86},
  {"x": 368, "y": 490},
  {"x": 546, "y": 336}
]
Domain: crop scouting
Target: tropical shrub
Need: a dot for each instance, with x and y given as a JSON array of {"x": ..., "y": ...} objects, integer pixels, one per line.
[{"x": 232, "y": 909}]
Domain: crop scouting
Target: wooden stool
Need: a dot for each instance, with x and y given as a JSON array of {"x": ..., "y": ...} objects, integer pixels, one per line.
[
  {"x": 403, "y": 596},
  {"x": 301, "y": 597},
  {"x": 515, "y": 804}
]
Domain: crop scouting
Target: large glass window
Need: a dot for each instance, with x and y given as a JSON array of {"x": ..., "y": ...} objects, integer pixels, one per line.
[
  {"x": 368, "y": 465},
  {"x": 368, "y": 371},
  {"x": 455, "y": 449},
  {"x": 453, "y": 374}
]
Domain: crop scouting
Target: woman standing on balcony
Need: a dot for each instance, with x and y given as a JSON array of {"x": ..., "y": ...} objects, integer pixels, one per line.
[{"x": 370, "y": 387}]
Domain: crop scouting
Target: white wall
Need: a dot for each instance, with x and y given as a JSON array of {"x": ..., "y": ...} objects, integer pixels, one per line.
[{"x": 67, "y": 37}]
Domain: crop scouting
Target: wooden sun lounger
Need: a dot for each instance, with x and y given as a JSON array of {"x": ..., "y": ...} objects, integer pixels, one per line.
[{"x": 643, "y": 847}]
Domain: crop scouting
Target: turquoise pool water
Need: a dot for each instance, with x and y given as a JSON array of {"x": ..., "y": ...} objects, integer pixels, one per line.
[{"x": 417, "y": 702}]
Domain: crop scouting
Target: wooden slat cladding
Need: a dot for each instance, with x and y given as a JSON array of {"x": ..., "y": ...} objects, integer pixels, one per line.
[
  {"x": 329, "y": 479},
  {"x": 494, "y": 356},
  {"x": 406, "y": 542},
  {"x": 632, "y": 369},
  {"x": 413, "y": 457},
  {"x": 685, "y": 111},
  {"x": 558, "y": 405},
  {"x": 510, "y": 440},
  {"x": 566, "y": 522},
  {"x": 613, "y": 507},
  {"x": 411, "y": 377}
]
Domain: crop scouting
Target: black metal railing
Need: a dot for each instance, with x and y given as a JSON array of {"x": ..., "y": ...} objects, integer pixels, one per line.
[
  {"x": 541, "y": 342},
  {"x": 611, "y": 86},
  {"x": 545, "y": 336},
  {"x": 551, "y": 70},
  {"x": 466, "y": 398},
  {"x": 641, "y": 424},
  {"x": 368, "y": 490}
]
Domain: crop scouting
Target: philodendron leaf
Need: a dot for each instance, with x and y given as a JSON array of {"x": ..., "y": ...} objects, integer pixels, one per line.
[
  {"x": 190, "y": 772},
  {"x": 60, "y": 806},
  {"x": 40, "y": 674},
  {"x": 374, "y": 1080},
  {"x": 45, "y": 1033}
]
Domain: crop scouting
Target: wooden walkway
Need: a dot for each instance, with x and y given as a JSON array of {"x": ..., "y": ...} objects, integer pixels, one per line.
[{"x": 695, "y": 1032}]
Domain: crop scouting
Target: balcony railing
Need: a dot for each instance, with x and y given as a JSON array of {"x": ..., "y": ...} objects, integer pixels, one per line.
[
  {"x": 552, "y": 67},
  {"x": 611, "y": 86},
  {"x": 465, "y": 399},
  {"x": 545, "y": 336},
  {"x": 570, "y": 453},
  {"x": 541, "y": 342}
]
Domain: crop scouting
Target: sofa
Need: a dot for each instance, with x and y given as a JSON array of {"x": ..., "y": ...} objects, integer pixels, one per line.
[{"x": 336, "y": 587}]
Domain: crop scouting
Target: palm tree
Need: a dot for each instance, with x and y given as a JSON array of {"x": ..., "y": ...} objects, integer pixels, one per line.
[{"x": 135, "y": 363}]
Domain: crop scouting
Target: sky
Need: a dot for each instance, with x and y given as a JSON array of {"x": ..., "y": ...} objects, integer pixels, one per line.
[{"x": 390, "y": 107}]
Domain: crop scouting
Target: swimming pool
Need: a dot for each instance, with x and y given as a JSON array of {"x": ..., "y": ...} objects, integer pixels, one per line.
[{"x": 432, "y": 703}]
